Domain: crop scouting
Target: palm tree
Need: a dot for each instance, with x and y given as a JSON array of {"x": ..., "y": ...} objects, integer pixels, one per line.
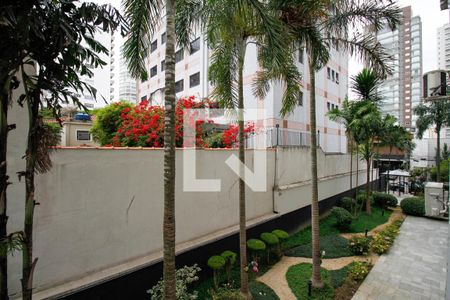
[
  {"x": 435, "y": 113},
  {"x": 318, "y": 25},
  {"x": 230, "y": 27},
  {"x": 143, "y": 16},
  {"x": 365, "y": 85}
]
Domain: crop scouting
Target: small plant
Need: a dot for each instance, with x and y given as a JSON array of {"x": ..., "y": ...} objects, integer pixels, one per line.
[
  {"x": 184, "y": 277},
  {"x": 381, "y": 244},
  {"x": 271, "y": 241},
  {"x": 256, "y": 246},
  {"x": 359, "y": 245},
  {"x": 414, "y": 206},
  {"x": 230, "y": 259},
  {"x": 384, "y": 200},
  {"x": 347, "y": 203},
  {"x": 343, "y": 218},
  {"x": 226, "y": 293},
  {"x": 216, "y": 263},
  {"x": 282, "y": 236},
  {"x": 358, "y": 270}
]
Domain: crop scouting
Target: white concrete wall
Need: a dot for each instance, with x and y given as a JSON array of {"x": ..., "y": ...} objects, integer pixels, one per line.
[{"x": 101, "y": 209}]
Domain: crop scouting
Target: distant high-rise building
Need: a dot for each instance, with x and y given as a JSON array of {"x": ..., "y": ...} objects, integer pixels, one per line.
[
  {"x": 122, "y": 85},
  {"x": 443, "y": 47},
  {"x": 401, "y": 90}
]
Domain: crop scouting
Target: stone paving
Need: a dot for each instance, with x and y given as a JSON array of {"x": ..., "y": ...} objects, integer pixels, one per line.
[{"x": 414, "y": 268}]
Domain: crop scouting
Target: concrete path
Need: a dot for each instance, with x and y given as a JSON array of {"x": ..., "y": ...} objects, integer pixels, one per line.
[
  {"x": 275, "y": 278},
  {"x": 414, "y": 268}
]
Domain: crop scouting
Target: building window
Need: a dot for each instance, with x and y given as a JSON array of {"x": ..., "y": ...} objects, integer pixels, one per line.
[
  {"x": 194, "y": 79},
  {"x": 179, "y": 55},
  {"x": 83, "y": 135},
  {"x": 300, "y": 99},
  {"x": 328, "y": 105},
  {"x": 163, "y": 38},
  {"x": 332, "y": 75},
  {"x": 328, "y": 72},
  {"x": 152, "y": 96},
  {"x": 337, "y": 77},
  {"x": 154, "y": 46},
  {"x": 163, "y": 65},
  {"x": 300, "y": 55},
  {"x": 195, "y": 45},
  {"x": 179, "y": 86},
  {"x": 153, "y": 71}
]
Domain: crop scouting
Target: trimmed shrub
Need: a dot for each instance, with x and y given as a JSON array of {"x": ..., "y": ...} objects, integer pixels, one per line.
[
  {"x": 271, "y": 241},
  {"x": 255, "y": 247},
  {"x": 361, "y": 200},
  {"x": 216, "y": 263},
  {"x": 230, "y": 259},
  {"x": 384, "y": 200},
  {"x": 281, "y": 235},
  {"x": 358, "y": 270},
  {"x": 343, "y": 217},
  {"x": 359, "y": 245},
  {"x": 347, "y": 203},
  {"x": 414, "y": 206}
]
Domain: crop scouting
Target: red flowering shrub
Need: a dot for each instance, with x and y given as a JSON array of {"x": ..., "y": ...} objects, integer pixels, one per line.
[{"x": 230, "y": 137}]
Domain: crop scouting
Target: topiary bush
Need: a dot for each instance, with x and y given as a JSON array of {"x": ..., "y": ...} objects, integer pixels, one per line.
[
  {"x": 347, "y": 203},
  {"x": 230, "y": 259},
  {"x": 414, "y": 206},
  {"x": 343, "y": 218},
  {"x": 256, "y": 246},
  {"x": 359, "y": 245},
  {"x": 384, "y": 200},
  {"x": 216, "y": 263},
  {"x": 271, "y": 241},
  {"x": 282, "y": 236}
]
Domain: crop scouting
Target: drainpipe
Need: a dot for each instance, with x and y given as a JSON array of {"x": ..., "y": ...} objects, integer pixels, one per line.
[{"x": 275, "y": 173}]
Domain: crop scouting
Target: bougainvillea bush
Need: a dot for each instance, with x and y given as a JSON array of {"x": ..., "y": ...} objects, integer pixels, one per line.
[{"x": 143, "y": 126}]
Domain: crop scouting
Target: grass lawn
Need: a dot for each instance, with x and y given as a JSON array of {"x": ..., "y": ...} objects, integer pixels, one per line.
[
  {"x": 333, "y": 245},
  {"x": 260, "y": 291},
  {"x": 327, "y": 227}
]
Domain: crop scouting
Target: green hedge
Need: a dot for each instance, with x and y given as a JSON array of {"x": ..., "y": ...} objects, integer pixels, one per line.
[
  {"x": 384, "y": 200},
  {"x": 414, "y": 206},
  {"x": 343, "y": 217}
]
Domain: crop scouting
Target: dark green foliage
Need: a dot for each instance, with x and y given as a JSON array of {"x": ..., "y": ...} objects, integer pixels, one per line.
[
  {"x": 225, "y": 293},
  {"x": 337, "y": 277},
  {"x": 216, "y": 262},
  {"x": 269, "y": 238},
  {"x": 107, "y": 122},
  {"x": 443, "y": 172},
  {"x": 414, "y": 206},
  {"x": 343, "y": 217},
  {"x": 230, "y": 259},
  {"x": 384, "y": 200},
  {"x": 298, "y": 276},
  {"x": 333, "y": 245},
  {"x": 347, "y": 203},
  {"x": 359, "y": 245},
  {"x": 215, "y": 141},
  {"x": 56, "y": 130},
  {"x": 260, "y": 291}
]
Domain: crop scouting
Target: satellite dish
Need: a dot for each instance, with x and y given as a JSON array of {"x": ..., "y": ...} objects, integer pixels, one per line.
[{"x": 435, "y": 85}]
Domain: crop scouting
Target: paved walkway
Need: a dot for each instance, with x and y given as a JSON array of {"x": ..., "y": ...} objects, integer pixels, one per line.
[{"x": 414, "y": 268}]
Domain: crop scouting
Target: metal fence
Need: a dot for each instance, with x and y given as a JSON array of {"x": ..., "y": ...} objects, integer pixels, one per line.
[{"x": 276, "y": 136}]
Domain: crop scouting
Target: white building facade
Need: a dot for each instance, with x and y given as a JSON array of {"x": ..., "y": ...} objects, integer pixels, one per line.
[
  {"x": 443, "y": 47},
  {"x": 191, "y": 76}
]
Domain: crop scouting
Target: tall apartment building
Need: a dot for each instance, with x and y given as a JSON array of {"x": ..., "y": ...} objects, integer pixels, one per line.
[
  {"x": 191, "y": 76},
  {"x": 122, "y": 85},
  {"x": 401, "y": 91},
  {"x": 443, "y": 47}
]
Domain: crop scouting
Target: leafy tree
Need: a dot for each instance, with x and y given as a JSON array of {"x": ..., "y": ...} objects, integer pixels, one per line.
[
  {"x": 445, "y": 152},
  {"x": 107, "y": 122},
  {"x": 230, "y": 27},
  {"x": 437, "y": 114},
  {"x": 365, "y": 85},
  {"x": 319, "y": 25},
  {"x": 57, "y": 37}
]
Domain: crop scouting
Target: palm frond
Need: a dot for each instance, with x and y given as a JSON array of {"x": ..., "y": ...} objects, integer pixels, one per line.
[
  {"x": 143, "y": 15},
  {"x": 188, "y": 18}
]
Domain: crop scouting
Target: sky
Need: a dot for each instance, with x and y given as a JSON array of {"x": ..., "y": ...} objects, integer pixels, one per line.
[{"x": 432, "y": 18}]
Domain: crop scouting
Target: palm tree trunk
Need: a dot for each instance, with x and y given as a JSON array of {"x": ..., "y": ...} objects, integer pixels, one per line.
[
  {"x": 351, "y": 165},
  {"x": 242, "y": 212},
  {"x": 438, "y": 154},
  {"x": 316, "y": 259},
  {"x": 368, "y": 204},
  {"x": 3, "y": 185},
  {"x": 31, "y": 158},
  {"x": 169, "y": 157}
]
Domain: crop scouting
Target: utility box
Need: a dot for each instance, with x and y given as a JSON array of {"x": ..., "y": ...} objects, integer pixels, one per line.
[{"x": 434, "y": 199}]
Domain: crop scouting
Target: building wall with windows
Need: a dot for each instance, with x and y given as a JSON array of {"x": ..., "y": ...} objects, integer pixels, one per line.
[
  {"x": 443, "y": 47},
  {"x": 401, "y": 90},
  {"x": 191, "y": 78}
]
